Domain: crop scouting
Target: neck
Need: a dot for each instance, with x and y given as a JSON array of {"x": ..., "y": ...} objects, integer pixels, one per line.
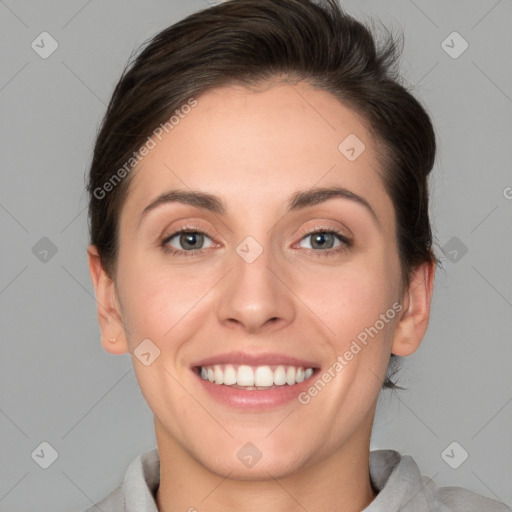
[{"x": 341, "y": 482}]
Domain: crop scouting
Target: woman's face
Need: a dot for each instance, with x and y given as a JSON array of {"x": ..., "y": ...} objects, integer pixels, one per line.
[{"x": 274, "y": 276}]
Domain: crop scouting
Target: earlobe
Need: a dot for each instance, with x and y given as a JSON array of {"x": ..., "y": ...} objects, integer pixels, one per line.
[
  {"x": 413, "y": 324},
  {"x": 113, "y": 336}
]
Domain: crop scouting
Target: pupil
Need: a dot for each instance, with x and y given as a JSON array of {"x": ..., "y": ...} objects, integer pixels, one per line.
[
  {"x": 320, "y": 239},
  {"x": 190, "y": 239}
]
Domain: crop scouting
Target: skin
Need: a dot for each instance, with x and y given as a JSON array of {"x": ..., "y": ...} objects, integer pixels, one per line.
[{"x": 254, "y": 149}]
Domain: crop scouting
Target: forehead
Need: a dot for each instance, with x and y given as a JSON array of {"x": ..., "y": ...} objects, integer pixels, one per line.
[{"x": 255, "y": 148}]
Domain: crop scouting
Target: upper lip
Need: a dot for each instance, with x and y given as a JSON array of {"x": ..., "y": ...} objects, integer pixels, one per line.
[{"x": 255, "y": 360}]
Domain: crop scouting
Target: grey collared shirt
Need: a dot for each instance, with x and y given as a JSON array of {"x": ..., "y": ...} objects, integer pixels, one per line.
[{"x": 401, "y": 488}]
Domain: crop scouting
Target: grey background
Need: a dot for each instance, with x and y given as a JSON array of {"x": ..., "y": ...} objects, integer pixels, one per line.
[{"x": 57, "y": 383}]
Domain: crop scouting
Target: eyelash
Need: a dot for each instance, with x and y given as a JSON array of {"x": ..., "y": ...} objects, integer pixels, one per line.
[
  {"x": 346, "y": 242},
  {"x": 179, "y": 252}
]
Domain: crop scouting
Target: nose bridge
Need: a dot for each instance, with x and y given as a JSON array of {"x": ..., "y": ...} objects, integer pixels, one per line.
[{"x": 252, "y": 295}]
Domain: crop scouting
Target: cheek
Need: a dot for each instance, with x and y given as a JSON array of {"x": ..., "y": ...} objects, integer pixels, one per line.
[
  {"x": 354, "y": 297},
  {"x": 155, "y": 299}
]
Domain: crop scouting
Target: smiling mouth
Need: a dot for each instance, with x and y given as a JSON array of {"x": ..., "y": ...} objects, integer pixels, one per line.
[{"x": 254, "y": 377}]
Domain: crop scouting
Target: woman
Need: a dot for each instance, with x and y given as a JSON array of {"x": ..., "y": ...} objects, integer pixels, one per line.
[{"x": 261, "y": 245}]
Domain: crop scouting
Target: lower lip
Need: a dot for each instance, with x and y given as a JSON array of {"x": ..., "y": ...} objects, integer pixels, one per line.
[{"x": 255, "y": 399}]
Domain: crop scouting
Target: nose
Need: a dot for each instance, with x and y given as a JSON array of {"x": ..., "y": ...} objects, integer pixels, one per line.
[{"x": 255, "y": 296}]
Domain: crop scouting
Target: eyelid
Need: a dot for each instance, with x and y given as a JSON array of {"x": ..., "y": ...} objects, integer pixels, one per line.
[
  {"x": 168, "y": 249},
  {"x": 325, "y": 228},
  {"x": 189, "y": 226},
  {"x": 346, "y": 240},
  {"x": 178, "y": 232}
]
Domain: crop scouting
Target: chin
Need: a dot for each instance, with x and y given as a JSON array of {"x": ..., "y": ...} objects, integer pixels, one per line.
[{"x": 250, "y": 463}]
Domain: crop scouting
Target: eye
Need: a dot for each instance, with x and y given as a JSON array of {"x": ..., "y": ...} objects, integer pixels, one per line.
[
  {"x": 325, "y": 240},
  {"x": 186, "y": 241}
]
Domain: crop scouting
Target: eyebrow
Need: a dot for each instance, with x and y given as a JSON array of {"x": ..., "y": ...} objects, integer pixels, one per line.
[
  {"x": 303, "y": 199},
  {"x": 299, "y": 200},
  {"x": 191, "y": 197}
]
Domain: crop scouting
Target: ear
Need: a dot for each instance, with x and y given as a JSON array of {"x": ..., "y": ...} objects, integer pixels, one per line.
[
  {"x": 109, "y": 311},
  {"x": 416, "y": 300}
]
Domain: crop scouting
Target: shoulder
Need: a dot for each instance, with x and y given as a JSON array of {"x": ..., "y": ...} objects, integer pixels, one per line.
[
  {"x": 459, "y": 499},
  {"x": 401, "y": 486},
  {"x": 114, "y": 502},
  {"x": 137, "y": 492},
  {"x": 456, "y": 499}
]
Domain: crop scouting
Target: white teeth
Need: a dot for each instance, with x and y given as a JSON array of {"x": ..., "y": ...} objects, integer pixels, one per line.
[
  {"x": 229, "y": 375},
  {"x": 280, "y": 376},
  {"x": 263, "y": 376},
  {"x": 290, "y": 376},
  {"x": 218, "y": 374},
  {"x": 245, "y": 376},
  {"x": 258, "y": 376}
]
